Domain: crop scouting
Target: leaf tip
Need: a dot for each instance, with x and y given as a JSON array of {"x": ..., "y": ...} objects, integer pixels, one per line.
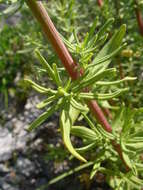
[
  {"x": 124, "y": 26},
  {"x": 112, "y": 19}
]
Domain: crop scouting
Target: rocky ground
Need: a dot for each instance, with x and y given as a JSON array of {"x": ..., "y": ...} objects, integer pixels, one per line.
[
  {"x": 22, "y": 163},
  {"x": 21, "y": 153}
]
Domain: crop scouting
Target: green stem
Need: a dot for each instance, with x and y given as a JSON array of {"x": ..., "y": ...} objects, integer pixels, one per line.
[{"x": 66, "y": 174}]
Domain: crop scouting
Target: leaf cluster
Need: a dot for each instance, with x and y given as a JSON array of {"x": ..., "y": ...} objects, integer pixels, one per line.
[{"x": 70, "y": 97}]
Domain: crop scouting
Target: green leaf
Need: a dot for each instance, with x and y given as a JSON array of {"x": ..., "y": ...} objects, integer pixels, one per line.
[
  {"x": 74, "y": 113},
  {"x": 139, "y": 166},
  {"x": 92, "y": 30},
  {"x": 105, "y": 104},
  {"x": 138, "y": 133},
  {"x": 95, "y": 169},
  {"x": 86, "y": 148},
  {"x": 84, "y": 133},
  {"x": 76, "y": 37},
  {"x": 69, "y": 45},
  {"x": 118, "y": 120},
  {"x": 92, "y": 96},
  {"x": 68, "y": 85},
  {"x": 57, "y": 76},
  {"x": 66, "y": 174},
  {"x": 90, "y": 80},
  {"x": 101, "y": 41},
  {"x": 111, "y": 46},
  {"x": 137, "y": 181},
  {"x": 128, "y": 122},
  {"x": 43, "y": 117},
  {"x": 76, "y": 83},
  {"x": 135, "y": 145},
  {"x": 45, "y": 65},
  {"x": 40, "y": 88},
  {"x": 85, "y": 41},
  {"x": 134, "y": 181},
  {"x": 46, "y": 102},
  {"x": 105, "y": 26},
  {"x": 66, "y": 124},
  {"x": 135, "y": 140},
  {"x": 106, "y": 58},
  {"x": 111, "y": 95},
  {"x": 127, "y": 159},
  {"x": 91, "y": 124},
  {"x": 78, "y": 106},
  {"x": 125, "y": 149},
  {"x": 106, "y": 83},
  {"x": 91, "y": 44},
  {"x": 105, "y": 133}
]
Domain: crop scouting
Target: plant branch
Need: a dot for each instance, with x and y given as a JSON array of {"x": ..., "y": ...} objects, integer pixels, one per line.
[
  {"x": 100, "y": 3},
  {"x": 51, "y": 33},
  {"x": 139, "y": 17}
]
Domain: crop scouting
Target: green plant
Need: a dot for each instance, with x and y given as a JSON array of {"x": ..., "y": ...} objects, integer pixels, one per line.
[
  {"x": 10, "y": 59},
  {"x": 113, "y": 151},
  {"x": 14, "y": 62},
  {"x": 70, "y": 99}
]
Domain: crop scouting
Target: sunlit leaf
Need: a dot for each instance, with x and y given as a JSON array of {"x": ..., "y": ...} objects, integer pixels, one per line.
[
  {"x": 84, "y": 132},
  {"x": 65, "y": 124}
]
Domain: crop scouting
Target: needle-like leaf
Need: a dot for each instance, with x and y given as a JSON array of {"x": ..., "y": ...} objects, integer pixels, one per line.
[
  {"x": 43, "y": 117},
  {"x": 104, "y": 27},
  {"x": 66, "y": 124},
  {"x": 84, "y": 132},
  {"x": 40, "y": 88},
  {"x": 57, "y": 76},
  {"x": 45, "y": 65}
]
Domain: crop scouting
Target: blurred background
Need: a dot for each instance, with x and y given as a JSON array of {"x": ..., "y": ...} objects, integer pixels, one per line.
[{"x": 29, "y": 160}]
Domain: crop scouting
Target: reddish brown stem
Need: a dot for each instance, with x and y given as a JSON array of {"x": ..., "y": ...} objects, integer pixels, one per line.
[
  {"x": 121, "y": 70},
  {"x": 96, "y": 110},
  {"x": 118, "y": 149},
  {"x": 51, "y": 33},
  {"x": 139, "y": 18},
  {"x": 100, "y": 3},
  {"x": 107, "y": 113}
]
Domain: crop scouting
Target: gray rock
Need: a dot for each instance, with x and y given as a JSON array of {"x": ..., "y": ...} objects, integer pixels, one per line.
[
  {"x": 28, "y": 106},
  {"x": 8, "y": 125},
  {"x": 7, "y": 186},
  {"x": 7, "y": 144},
  {"x": 18, "y": 126},
  {"x": 25, "y": 167},
  {"x": 4, "y": 169},
  {"x": 20, "y": 135},
  {"x": 19, "y": 147}
]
